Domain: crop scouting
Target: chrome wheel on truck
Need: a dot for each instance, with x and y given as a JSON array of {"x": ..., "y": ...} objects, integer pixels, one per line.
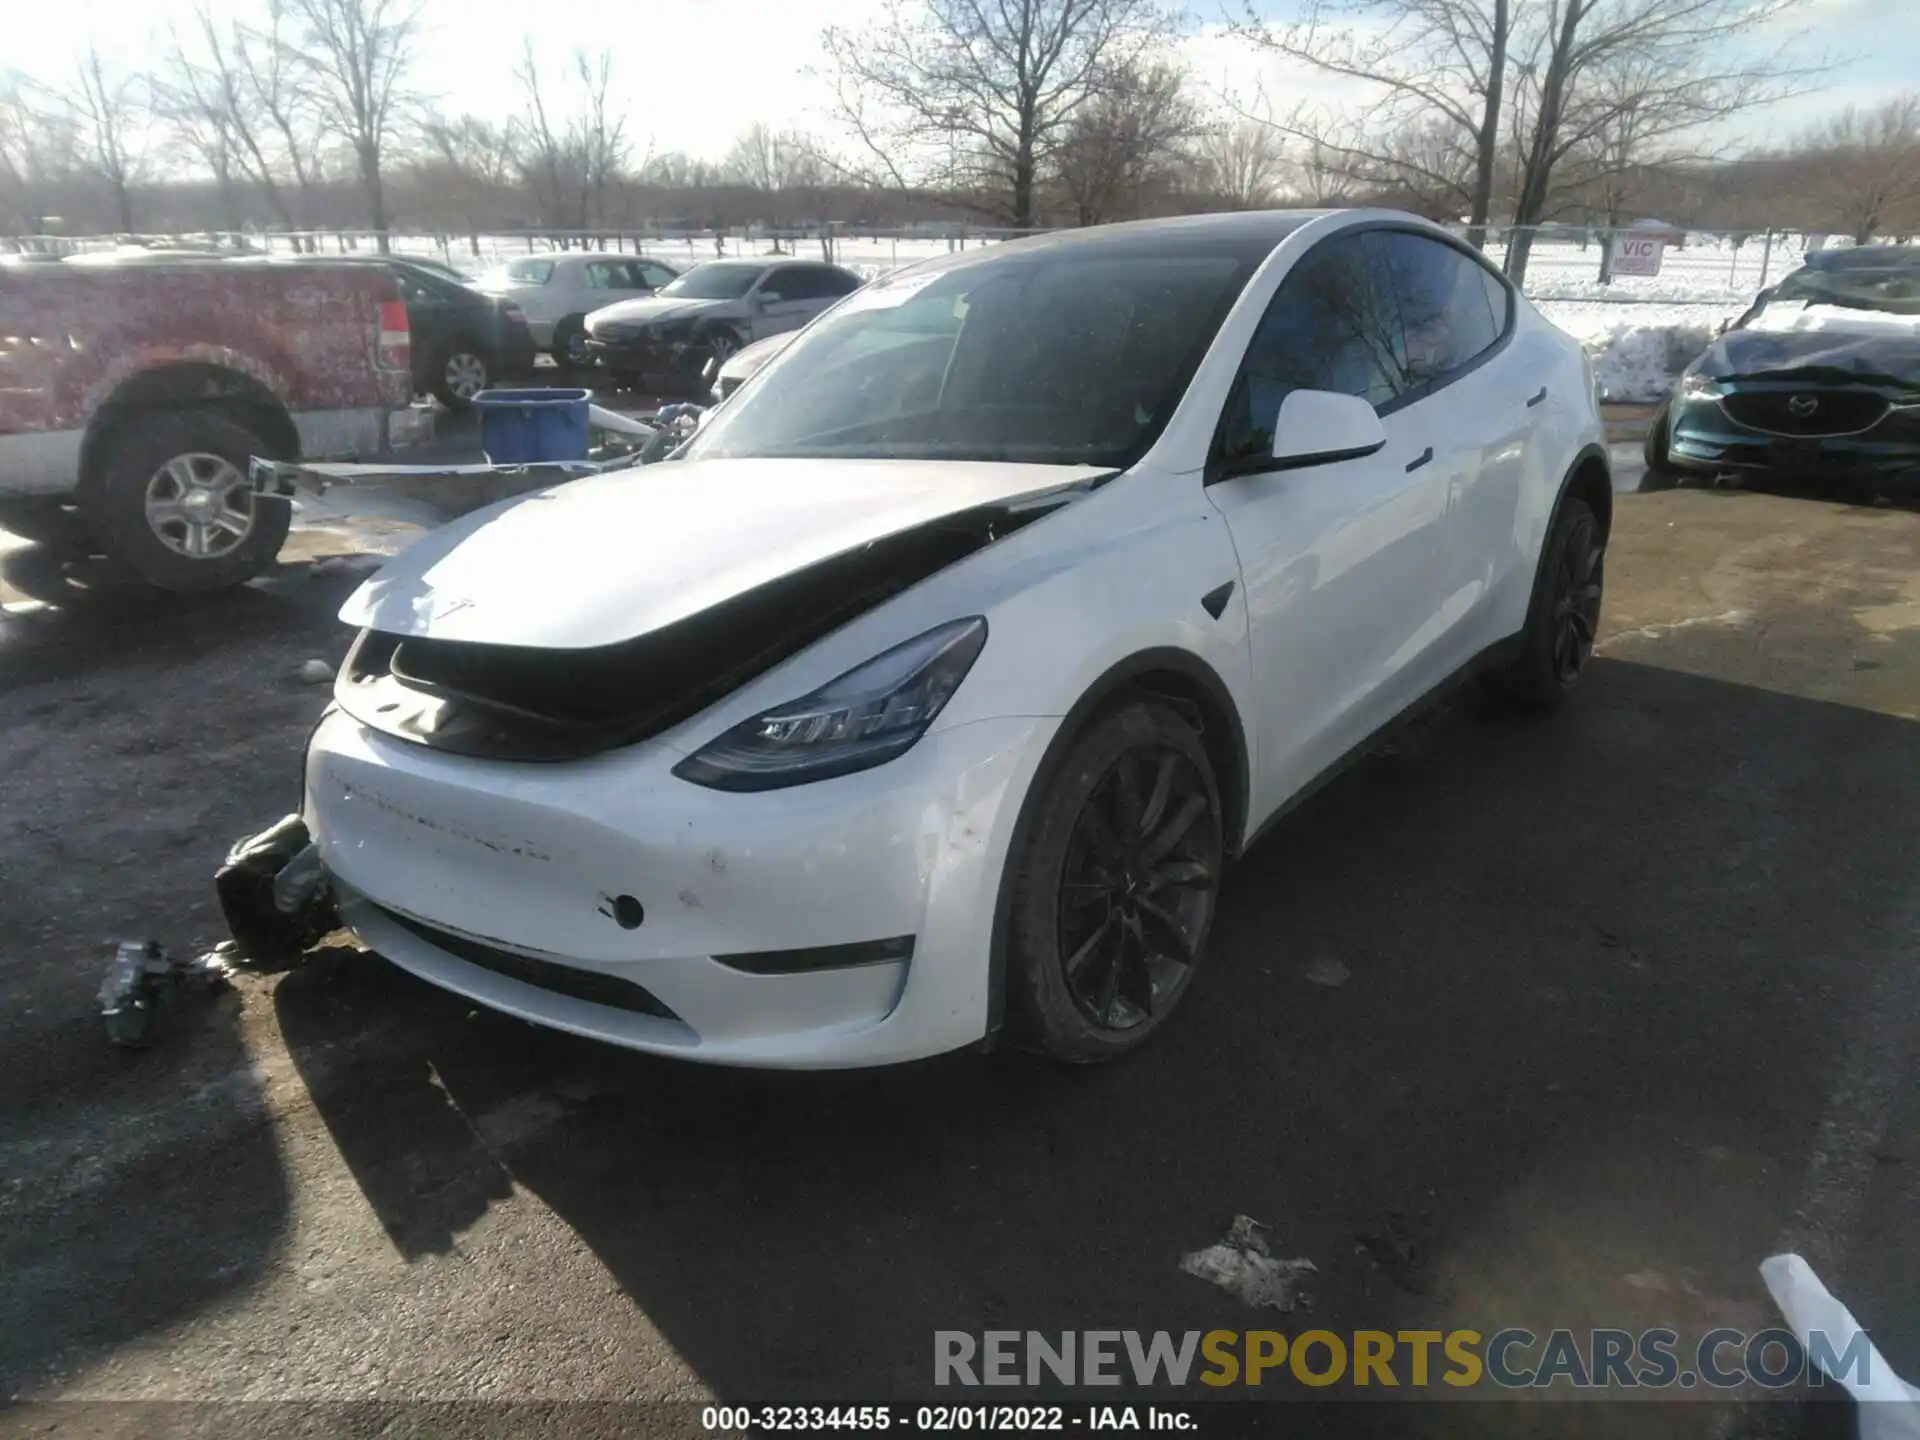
[
  {"x": 169, "y": 497},
  {"x": 200, "y": 505}
]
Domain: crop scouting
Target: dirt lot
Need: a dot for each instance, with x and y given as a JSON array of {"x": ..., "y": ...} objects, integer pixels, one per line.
[{"x": 1632, "y": 1002}]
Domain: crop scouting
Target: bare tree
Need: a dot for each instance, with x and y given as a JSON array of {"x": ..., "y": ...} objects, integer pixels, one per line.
[
  {"x": 1125, "y": 139},
  {"x": 1322, "y": 172},
  {"x": 357, "y": 53},
  {"x": 1673, "y": 66},
  {"x": 279, "y": 89},
  {"x": 111, "y": 110},
  {"x": 39, "y": 152},
  {"x": 472, "y": 161},
  {"x": 1866, "y": 175},
  {"x": 979, "y": 94},
  {"x": 1441, "y": 69},
  {"x": 769, "y": 159},
  {"x": 571, "y": 162},
  {"x": 1242, "y": 162},
  {"x": 602, "y": 135},
  {"x": 198, "y": 118}
]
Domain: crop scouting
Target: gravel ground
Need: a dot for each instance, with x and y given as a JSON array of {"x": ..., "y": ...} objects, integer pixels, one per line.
[{"x": 1626, "y": 1001}]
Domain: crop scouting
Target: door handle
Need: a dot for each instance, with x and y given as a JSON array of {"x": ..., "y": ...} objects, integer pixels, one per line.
[
  {"x": 1536, "y": 399},
  {"x": 1423, "y": 457}
]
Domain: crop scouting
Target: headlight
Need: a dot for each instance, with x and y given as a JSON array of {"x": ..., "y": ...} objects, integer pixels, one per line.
[
  {"x": 1694, "y": 386},
  {"x": 865, "y": 718}
]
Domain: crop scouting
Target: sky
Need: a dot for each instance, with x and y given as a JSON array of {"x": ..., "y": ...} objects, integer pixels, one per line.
[{"x": 693, "y": 73}]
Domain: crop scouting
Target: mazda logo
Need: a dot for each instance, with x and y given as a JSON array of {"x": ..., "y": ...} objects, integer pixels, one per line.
[{"x": 1801, "y": 406}]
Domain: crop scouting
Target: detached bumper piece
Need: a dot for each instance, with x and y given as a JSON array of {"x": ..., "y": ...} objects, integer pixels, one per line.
[{"x": 274, "y": 894}]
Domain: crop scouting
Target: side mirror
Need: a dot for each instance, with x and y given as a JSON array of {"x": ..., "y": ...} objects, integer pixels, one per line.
[{"x": 1318, "y": 427}]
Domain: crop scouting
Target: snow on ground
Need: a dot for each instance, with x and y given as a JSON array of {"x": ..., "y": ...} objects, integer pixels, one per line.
[{"x": 1640, "y": 330}]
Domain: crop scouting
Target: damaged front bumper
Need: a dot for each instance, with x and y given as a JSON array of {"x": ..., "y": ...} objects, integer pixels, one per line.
[{"x": 840, "y": 924}]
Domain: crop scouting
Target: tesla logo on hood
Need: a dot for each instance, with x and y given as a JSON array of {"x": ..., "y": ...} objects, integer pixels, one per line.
[{"x": 1801, "y": 406}]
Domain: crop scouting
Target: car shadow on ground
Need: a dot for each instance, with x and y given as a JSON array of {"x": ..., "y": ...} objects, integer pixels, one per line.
[
  {"x": 83, "y": 615},
  {"x": 1593, "y": 978}
]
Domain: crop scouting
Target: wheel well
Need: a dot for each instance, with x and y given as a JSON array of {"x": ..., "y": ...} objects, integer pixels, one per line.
[
  {"x": 212, "y": 387},
  {"x": 1177, "y": 677},
  {"x": 1212, "y": 716},
  {"x": 1591, "y": 482}
]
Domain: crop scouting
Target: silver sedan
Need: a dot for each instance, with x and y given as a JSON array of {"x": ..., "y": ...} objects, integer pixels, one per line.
[{"x": 557, "y": 292}]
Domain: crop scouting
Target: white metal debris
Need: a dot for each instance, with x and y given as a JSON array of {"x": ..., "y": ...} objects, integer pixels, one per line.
[
  {"x": 1889, "y": 1408},
  {"x": 1241, "y": 1264}
]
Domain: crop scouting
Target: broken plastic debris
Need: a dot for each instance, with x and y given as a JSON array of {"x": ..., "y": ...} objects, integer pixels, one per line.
[
  {"x": 132, "y": 990},
  {"x": 299, "y": 881},
  {"x": 138, "y": 982},
  {"x": 316, "y": 672},
  {"x": 1889, "y": 1408},
  {"x": 255, "y": 902},
  {"x": 1241, "y": 1264},
  {"x": 1327, "y": 971}
]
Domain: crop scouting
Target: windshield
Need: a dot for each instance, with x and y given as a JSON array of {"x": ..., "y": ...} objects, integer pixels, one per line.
[
  {"x": 715, "y": 280},
  {"x": 1892, "y": 288},
  {"x": 1069, "y": 360}
]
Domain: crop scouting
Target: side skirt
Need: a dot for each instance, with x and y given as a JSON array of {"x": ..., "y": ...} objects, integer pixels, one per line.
[{"x": 1496, "y": 655}]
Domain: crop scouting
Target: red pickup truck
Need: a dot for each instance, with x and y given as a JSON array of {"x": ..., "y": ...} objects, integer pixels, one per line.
[{"x": 137, "y": 392}]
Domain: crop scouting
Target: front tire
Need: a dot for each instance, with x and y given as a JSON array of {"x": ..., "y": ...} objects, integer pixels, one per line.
[
  {"x": 570, "y": 342},
  {"x": 1115, "y": 887},
  {"x": 722, "y": 345},
  {"x": 1564, "y": 614},
  {"x": 171, "y": 500},
  {"x": 1657, "y": 448}
]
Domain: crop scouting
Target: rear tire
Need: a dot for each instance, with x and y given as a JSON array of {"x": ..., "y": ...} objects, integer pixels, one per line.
[
  {"x": 1115, "y": 886},
  {"x": 142, "y": 502},
  {"x": 1563, "y": 615},
  {"x": 460, "y": 372}
]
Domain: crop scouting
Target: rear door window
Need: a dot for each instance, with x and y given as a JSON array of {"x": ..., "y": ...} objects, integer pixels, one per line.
[{"x": 1446, "y": 313}]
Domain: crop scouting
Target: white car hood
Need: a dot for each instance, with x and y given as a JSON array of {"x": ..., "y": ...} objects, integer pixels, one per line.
[{"x": 614, "y": 556}]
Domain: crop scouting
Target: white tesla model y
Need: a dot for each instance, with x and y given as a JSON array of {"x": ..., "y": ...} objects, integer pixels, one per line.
[{"x": 925, "y": 696}]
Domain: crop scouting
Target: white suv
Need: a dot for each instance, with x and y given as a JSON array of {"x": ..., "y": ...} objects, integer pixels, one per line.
[{"x": 926, "y": 697}]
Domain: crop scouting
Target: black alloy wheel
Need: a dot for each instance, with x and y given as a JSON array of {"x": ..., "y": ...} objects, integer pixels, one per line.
[
  {"x": 1114, "y": 886},
  {"x": 1577, "y": 586}
]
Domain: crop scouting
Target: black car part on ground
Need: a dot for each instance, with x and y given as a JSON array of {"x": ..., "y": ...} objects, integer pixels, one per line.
[
  {"x": 273, "y": 893},
  {"x": 512, "y": 702}
]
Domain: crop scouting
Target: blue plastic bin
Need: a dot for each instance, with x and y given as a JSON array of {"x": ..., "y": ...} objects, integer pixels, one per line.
[{"x": 518, "y": 427}]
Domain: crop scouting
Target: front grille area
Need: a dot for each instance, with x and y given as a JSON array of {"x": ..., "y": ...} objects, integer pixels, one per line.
[
  {"x": 592, "y": 986},
  {"x": 1787, "y": 412}
]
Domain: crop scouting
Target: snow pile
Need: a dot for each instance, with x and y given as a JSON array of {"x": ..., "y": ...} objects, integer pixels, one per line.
[
  {"x": 1642, "y": 362},
  {"x": 1638, "y": 351}
]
